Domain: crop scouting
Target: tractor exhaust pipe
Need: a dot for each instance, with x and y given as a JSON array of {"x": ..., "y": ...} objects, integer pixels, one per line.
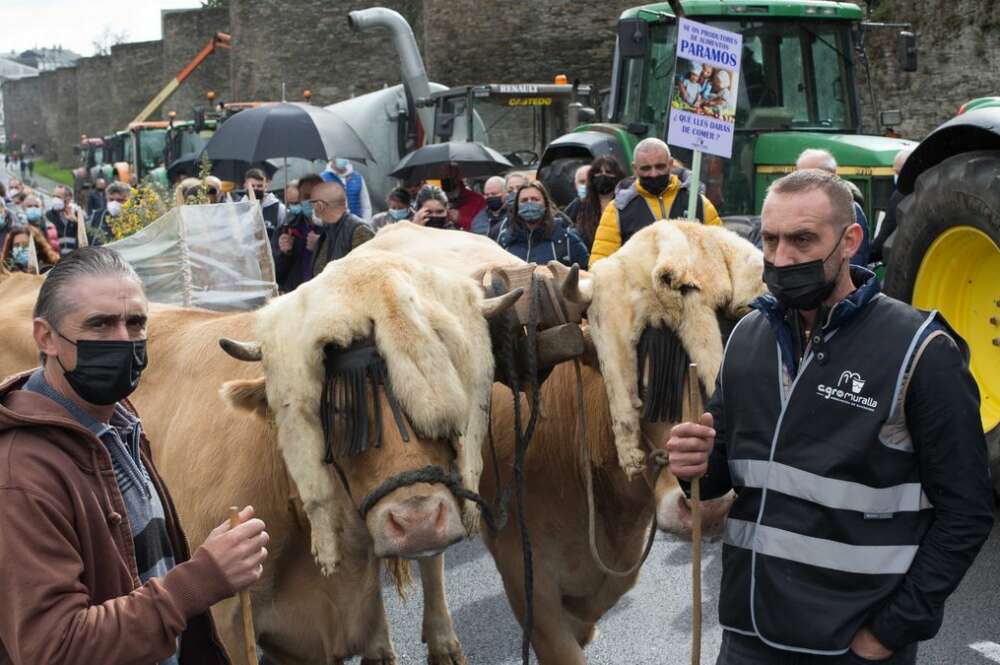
[{"x": 412, "y": 64}]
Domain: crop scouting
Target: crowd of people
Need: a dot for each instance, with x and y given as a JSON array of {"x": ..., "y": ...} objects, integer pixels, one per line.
[{"x": 322, "y": 216}]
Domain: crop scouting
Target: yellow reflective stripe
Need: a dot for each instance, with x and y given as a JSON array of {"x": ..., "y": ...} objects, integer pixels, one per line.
[{"x": 841, "y": 170}]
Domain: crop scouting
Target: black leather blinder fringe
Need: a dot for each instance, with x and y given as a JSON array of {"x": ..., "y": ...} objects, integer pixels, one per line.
[
  {"x": 344, "y": 402},
  {"x": 662, "y": 397}
]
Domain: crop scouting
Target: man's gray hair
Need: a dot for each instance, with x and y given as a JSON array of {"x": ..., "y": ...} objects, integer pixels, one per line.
[
  {"x": 55, "y": 298},
  {"x": 835, "y": 188},
  {"x": 647, "y": 145},
  {"x": 515, "y": 174},
  {"x": 118, "y": 188},
  {"x": 816, "y": 158}
]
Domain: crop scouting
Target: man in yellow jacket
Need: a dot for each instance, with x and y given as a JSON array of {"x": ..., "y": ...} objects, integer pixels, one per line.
[{"x": 656, "y": 194}]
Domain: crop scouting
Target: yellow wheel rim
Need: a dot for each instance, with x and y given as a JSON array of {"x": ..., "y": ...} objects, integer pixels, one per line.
[{"x": 960, "y": 277}]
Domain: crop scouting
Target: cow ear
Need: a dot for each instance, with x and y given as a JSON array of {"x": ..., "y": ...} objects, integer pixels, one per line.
[{"x": 246, "y": 395}]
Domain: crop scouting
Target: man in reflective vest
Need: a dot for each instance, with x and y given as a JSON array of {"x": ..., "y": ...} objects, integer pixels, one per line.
[{"x": 848, "y": 425}]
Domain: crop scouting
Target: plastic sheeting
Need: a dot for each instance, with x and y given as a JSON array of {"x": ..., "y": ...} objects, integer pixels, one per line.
[{"x": 211, "y": 256}]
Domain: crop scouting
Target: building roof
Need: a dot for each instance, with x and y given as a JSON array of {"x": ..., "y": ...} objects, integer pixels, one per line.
[{"x": 15, "y": 70}]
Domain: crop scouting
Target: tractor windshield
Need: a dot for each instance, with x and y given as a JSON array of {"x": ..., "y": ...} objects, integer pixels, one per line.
[
  {"x": 795, "y": 74},
  {"x": 151, "y": 145}
]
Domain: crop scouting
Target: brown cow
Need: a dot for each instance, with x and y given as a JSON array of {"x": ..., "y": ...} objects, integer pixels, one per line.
[
  {"x": 679, "y": 276},
  {"x": 319, "y": 599}
]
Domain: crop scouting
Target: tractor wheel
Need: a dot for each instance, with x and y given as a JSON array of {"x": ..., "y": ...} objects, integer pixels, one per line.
[{"x": 946, "y": 256}]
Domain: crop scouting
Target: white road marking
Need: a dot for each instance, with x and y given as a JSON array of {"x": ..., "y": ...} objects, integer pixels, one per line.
[{"x": 990, "y": 650}]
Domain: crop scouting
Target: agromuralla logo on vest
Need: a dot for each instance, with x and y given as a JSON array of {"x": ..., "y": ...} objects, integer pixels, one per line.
[{"x": 848, "y": 391}]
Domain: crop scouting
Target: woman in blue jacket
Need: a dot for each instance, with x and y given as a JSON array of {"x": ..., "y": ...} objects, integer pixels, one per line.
[{"x": 535, "y": 232}]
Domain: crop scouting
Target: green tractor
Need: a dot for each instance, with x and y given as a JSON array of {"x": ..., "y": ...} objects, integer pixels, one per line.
[
  {"x": 945, "y": 252},
  {"x": 798, "y": 89}
]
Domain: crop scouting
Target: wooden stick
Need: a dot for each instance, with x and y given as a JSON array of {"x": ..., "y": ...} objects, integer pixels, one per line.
[
  {"x": 693, "y": 415},
  {"x": 249, "y": 636}
]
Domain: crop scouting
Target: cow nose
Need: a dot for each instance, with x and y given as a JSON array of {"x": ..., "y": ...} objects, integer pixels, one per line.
[
  {"x": 403, "y": 520},
  {"x": 418, "y": 526}
]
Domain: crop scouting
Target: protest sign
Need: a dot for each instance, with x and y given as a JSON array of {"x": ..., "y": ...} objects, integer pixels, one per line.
[{"x": 706, "y": 78}]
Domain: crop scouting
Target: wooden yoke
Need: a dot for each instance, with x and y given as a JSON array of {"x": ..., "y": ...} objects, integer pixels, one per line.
[{"x": 559, "y": 335}]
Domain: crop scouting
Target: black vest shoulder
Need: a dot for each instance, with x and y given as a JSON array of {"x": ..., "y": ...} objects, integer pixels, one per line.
[
  {"x": 636, "y": 214},
  {"x": 340, "y": 235}
]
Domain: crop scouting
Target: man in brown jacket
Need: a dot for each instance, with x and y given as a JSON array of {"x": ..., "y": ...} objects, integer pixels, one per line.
[{"x": 94, "y": 567}]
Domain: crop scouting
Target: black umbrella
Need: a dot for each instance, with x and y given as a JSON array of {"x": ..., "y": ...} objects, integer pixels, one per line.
[
  {"x": 285, "y": 130},
  {"x": 433, "y": 161},
  {"x": 189, "y": 164}
]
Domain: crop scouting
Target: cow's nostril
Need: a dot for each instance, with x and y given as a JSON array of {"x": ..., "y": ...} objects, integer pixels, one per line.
[
  {"x": 392, "y": 525},
  {"x": 441, "y": 518}
]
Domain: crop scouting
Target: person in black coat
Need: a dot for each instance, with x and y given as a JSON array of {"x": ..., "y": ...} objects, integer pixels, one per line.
[{"x": 292, "y": 257}]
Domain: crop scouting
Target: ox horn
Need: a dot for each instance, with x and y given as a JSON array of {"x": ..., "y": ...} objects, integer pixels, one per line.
[
  {"x": 248, "y": 351},
  {"x": 493, "y": 306},
  {"x": 569, "y": 283}
]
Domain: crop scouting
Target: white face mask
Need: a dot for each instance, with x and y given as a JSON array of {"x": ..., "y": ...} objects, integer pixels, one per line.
[
  {"x": 114, "y": 208},
  {"x": 58, "y": 205}
]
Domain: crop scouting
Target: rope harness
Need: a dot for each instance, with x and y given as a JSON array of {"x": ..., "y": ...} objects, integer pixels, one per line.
[
  {"x": 663, "y": 399},
  {"x": 504, "y": 346}
]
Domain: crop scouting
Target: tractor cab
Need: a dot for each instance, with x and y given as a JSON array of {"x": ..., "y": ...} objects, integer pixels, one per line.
[{"x": 516, "y": 119}]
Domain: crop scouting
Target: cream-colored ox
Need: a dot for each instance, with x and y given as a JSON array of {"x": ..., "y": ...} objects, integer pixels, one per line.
[
  {"x": 676, "y": 274},
  {"x": 319, "y": 600}
]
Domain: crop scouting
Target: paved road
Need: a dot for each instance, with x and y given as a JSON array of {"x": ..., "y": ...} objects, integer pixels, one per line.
[{"x": 651, "y": 624}]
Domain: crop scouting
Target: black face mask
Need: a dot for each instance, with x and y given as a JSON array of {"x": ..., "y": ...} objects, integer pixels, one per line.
[
  {"x": 106, "y": 370},
  {"x": 605, "y": 184},
  {"x": 655, "y": 184},
  {"x": 494, "y": 203},
  {"x": 260, "y": 194},
  {"x": 801, "y": 286},
  {"x": 435, "y": 222}
]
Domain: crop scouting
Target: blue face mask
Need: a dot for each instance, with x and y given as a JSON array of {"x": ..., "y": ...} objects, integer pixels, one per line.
[
  {"x": 33, "y": 214},
  {"x": 399, "y": 214},
  {"x": 19, "y": 255},
  {"x": 307, "y": 209},
  {"x": 295, "y": 208},
  {"x": 341, "y": 163},
  {"x": 581, "y": 191},
  {"x": 531, "y": 212}
]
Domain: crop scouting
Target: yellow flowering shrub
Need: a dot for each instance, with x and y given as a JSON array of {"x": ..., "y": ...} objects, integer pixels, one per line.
[{"x": 146, "y": 205}]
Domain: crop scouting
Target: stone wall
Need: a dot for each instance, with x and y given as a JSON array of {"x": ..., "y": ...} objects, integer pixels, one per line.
[
  {"x": 94, "y": 95},
  {"x": 138, "y": 77},
  {"x": 185, "y": 33},
  {"x": 49, "y": 114},
  {"x": 958, "y": 61},
  {"x": 523, "y": 41},
  {"x": 22, "y": 117},
  {"x": 307, "y": 44},
  {"x": 65, "y": 134}
]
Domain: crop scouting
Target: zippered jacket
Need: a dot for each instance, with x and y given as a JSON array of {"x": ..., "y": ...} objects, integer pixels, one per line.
[{"x": 862, "y": 482}]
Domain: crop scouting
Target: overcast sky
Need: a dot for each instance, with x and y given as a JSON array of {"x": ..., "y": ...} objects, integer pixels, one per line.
[{"x": 76, "y": 24}]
